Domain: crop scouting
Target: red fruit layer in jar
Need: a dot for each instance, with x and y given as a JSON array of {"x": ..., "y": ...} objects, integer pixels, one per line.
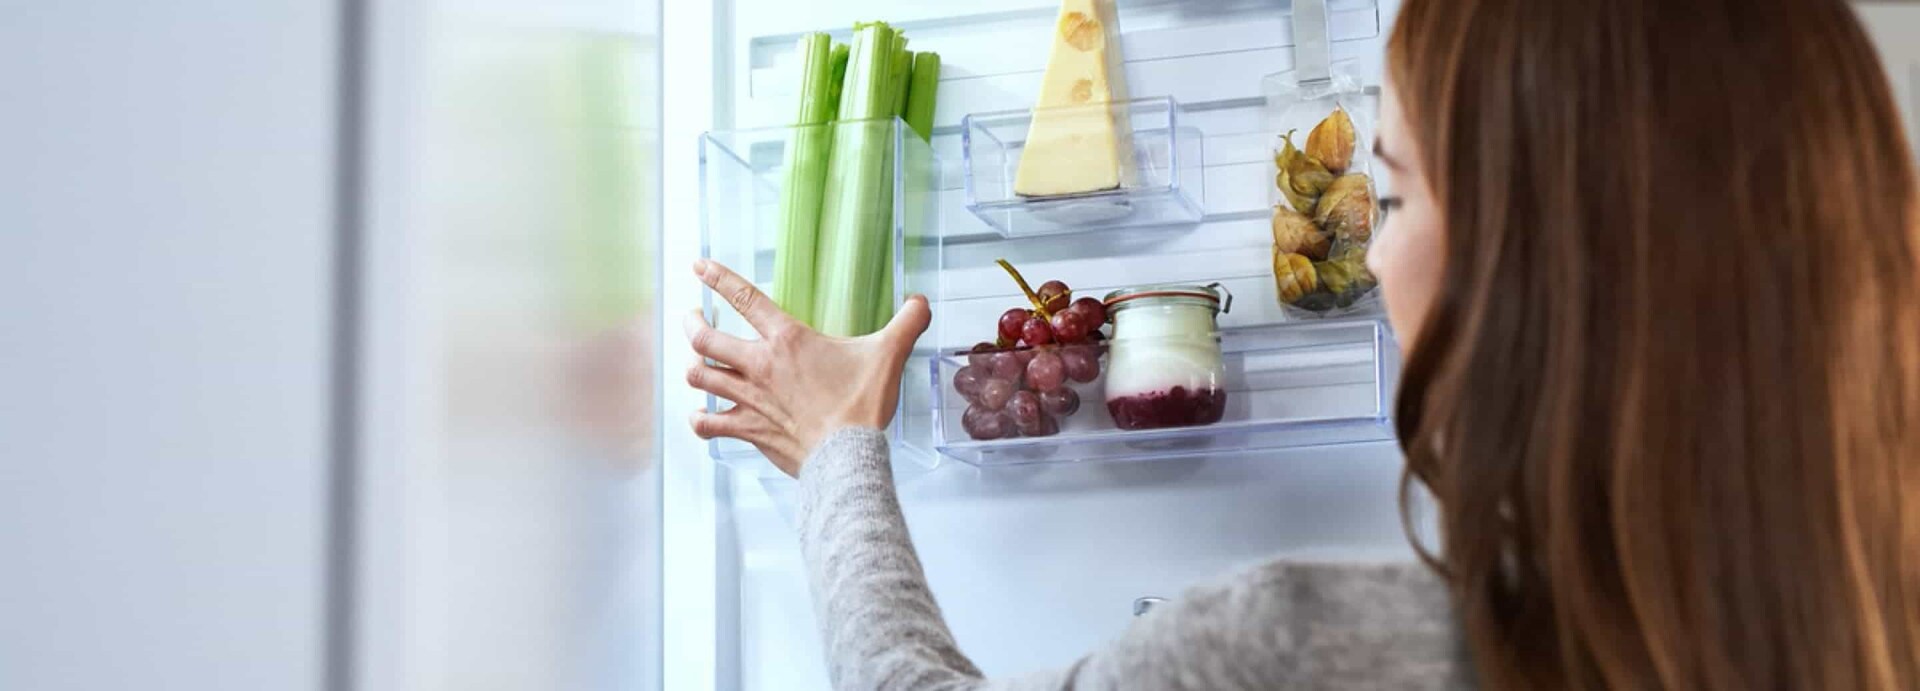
[{"x": 1176, "y": 407}]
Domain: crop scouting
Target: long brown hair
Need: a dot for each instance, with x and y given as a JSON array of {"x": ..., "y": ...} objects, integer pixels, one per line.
[{"x": 1668, "y": 398}]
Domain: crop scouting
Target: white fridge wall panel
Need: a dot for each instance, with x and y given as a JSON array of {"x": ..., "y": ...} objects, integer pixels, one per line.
[
  {"x": 166, "y": 237},
  {"x": 1197, "y": 57},
  {"x": 1893, "y": 27},
  {"x": 783, "y": 18},
  {"x": 1036, "y": 566}
]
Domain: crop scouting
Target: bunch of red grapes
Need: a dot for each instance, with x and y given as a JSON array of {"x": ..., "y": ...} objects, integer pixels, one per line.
[{"x": 1017, "y": 386}]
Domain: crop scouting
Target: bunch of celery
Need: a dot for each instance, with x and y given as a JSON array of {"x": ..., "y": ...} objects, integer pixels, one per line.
[{"x": 833, "y": 267}]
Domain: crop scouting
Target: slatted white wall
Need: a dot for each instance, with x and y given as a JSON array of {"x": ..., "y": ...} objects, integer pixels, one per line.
[{"x": 1210, "y": 55}]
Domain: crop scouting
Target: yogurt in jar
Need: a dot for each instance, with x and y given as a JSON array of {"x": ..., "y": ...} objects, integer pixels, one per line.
[{"x": 1163, "y": 363}]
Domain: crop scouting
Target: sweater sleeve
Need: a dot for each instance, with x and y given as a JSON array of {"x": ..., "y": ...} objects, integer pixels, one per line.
[{"x": 1281, "y": 625}]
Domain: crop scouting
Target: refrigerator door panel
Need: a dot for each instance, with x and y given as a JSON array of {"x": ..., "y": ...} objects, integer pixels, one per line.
[
  {"x": 166, "y": 236},
  {"x": 511, "y": 511}
]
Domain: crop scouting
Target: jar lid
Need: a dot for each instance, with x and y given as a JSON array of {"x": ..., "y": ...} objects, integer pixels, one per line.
[{"x": 1211, "y": 295}]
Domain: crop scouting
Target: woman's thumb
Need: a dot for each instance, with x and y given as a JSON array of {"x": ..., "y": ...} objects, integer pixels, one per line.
[{"x": 909, "y": 322}]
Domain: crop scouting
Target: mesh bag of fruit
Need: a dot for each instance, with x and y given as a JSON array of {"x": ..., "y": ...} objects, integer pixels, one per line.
[{"x": 1323, "y": 193}]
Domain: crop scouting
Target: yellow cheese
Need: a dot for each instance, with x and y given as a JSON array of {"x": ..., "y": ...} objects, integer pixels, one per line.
[{"x": 1076, "y": 144}]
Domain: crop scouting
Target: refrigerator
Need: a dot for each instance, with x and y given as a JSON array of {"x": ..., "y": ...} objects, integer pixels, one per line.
[
  {"x": 344, "y": 344},
  {"x": 1037, "y": 549},
  {"x": 344, "y": 347}
]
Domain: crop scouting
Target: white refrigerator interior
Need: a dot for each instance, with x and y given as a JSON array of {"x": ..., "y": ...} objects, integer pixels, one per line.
[
  {"x": 1032, "y": 565},
  {"x": 1894, "y": 26}
]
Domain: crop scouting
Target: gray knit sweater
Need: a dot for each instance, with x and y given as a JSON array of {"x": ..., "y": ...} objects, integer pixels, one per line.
[{"x": 1284, "y": 624}]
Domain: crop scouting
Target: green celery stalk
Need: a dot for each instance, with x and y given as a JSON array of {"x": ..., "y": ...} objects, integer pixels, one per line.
[
  {"x": 838, "y": 60},
  {"x": 794, "y": 258},
  {"x": 856, "y": 216},
  {"x": 900, "y": 73},
  {"x": 921, "y": 90},
  {"x": 867, "y": 70}
]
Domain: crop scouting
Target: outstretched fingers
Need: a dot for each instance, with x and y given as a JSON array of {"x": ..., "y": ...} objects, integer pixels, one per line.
[
  {"x": 759, "y": 310},
  {"x": 750, "y": 426},
  {"x": 712, "y": 343},
  {"x": 738, "y": 423},
  {"x": 725, "y": 384}
]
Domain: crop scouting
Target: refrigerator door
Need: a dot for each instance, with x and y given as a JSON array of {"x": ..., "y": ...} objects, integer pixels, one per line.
[
  {"x": 1032, "y": 565},
  {"x": 164, "y": 444},
  {"x": 330, "y": 349},
  {"x": 508, "y": 532}
]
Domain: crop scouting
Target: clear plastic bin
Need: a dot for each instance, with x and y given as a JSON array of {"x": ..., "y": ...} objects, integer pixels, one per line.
[
  {"x": 743, "y": 175},
  {"x": 1287, "y": 386},
  {"x": 1161, "y": 184}
]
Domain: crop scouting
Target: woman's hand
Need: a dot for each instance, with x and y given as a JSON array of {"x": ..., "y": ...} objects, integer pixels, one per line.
[{"x": 794, "y": 386}]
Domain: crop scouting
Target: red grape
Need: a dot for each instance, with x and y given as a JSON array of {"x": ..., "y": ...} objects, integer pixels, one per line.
[
  {"x": 994, "y": 393},
  {"x": 1069, "y": 326},
  {"x": 1082, "y": 363},
  {"x": 1005, "y": 365},
  {"x": 1041, "y": 425},
  {"x": 986, "y": 424},
  {"x": 1060, "y": 402},
  {"x": 1025, "y": 355},
  {"x": 967, "y": 381},
  {"x": 1011, "y": 322},
  {"x": 1055, "y": 296},
  {"x": 1046, "y": 373},
  {"x": 979, "y": 356},
  {"x": 1036, "y": 332},
  {"x": 1025, "y": 409},
  {"x": 1092, "y": 310}
]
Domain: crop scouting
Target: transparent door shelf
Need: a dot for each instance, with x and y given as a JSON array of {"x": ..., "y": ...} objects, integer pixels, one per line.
[
  {"x": 1288, "y": 386},
  {"x": 743, "y": 176},
  {"x": 1161, "y": 180}
]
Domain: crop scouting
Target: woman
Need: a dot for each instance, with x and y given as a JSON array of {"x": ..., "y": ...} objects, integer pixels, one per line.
[{"x": 1654, "y": 265}]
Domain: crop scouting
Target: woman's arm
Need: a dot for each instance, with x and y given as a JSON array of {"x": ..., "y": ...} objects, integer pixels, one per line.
[
  {"x": 1282, "y": 625},
  {"x": 879, "y": 622}
]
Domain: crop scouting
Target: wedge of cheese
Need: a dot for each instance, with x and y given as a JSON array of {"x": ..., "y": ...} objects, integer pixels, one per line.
[{"x": 1077, "y": 142}]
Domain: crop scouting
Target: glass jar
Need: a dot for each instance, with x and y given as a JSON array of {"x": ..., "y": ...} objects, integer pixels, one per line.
[{"x": 1163, "y": 363}]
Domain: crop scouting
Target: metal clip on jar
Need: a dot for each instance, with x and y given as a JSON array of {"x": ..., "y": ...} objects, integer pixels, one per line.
[{"x": 1164, "y": 367}]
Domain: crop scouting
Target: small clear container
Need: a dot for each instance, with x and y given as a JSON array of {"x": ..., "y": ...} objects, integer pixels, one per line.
[
  {"x": 1160, "y": 182},
  {"x": 1164, "y": 365},
  {"x": 743, "y": 178}
]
